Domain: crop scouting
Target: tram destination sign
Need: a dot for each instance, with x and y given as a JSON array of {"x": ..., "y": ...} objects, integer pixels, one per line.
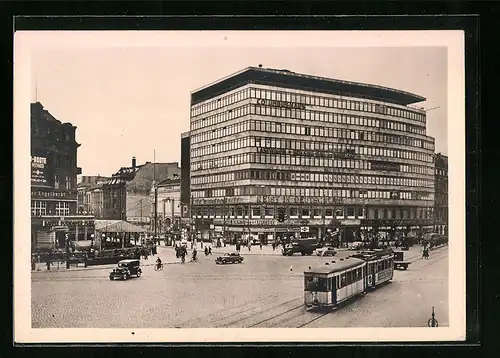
[{"x": 281, "y": 104}]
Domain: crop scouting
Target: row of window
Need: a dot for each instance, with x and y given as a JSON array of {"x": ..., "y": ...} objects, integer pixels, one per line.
[
  {"x": 276, "y": 159},
  {"x": 329, "y": 117},
  {"x": 308, "y": 100},
  {"x": 294, "y": 212},
  {"x": 63, "y": 181},
  {"x": 330, "y": 149},
  {"x": 313, "y": 192},
  {"x": 39, "y": 208},
  {"x": 310, "y": 177},
  {"x": 441, "y": 172},
  {"x": 299, "y": 129},
  {"x": 58, "y": 133}
]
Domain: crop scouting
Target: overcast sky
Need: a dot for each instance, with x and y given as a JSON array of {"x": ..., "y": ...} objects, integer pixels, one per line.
[{"x": 131, "y": 100}]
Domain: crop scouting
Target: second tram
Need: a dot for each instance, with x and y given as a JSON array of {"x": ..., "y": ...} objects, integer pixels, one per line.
[{"x": 379, "y": 266}]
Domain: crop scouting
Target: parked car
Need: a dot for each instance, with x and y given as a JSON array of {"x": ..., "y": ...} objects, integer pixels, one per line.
[
  {"x": 126, "y": 269},
  {"x": 356, "y": 245},
  {"x": 229, "y": 258},
  {"x": 326, "y": 251}
]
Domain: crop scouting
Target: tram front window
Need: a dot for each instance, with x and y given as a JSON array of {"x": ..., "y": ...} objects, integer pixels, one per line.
[{"x": 316, "y": 284}]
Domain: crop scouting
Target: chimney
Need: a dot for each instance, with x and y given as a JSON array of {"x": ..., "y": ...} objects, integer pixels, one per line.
[{"x": 133, "y": 162}]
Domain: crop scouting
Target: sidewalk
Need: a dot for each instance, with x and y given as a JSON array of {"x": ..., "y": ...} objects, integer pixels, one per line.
[
  {"x": 42, "y": 267},
  {"x": 255, "y": 250}
]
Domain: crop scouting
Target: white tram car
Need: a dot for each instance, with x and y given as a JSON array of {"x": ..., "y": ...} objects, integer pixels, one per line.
[
  {"x": 341, "y": 280},
  {"x": 379, "y": 266}
]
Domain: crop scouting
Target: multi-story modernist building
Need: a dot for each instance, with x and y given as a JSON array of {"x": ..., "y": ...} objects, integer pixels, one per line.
[
  {"x": 127, "y": 194},
  {"x": 441, "y": 195},
  {"x": 169, "y": 208},
  {"x": 185, "y": 174},
  {"x": 320, "y": 153},
  {"x": 53, "y": 182}
]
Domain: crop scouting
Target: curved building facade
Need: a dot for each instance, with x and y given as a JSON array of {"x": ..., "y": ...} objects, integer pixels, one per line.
[{"x": 277, "y": 153}]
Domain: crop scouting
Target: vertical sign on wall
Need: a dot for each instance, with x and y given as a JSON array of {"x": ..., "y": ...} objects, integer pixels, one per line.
[{"x": 38, "y": 168}]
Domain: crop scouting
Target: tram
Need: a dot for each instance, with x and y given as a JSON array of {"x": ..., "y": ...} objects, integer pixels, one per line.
[
  {"x": 379, "y": 266},
  {"x": 334, "y": 283},
  {"x": 344, "y": 279}
]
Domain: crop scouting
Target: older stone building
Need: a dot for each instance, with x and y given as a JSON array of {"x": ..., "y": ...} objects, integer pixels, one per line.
[
  {"x": 54, "y": 172},
  {"x": 441, "y": 195},
  {"x": 90, "y": 195},
  {"x": 127, "y": 193}
]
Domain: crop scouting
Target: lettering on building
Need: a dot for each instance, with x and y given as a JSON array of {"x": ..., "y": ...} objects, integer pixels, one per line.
[
  {"x": 52, "y": 194},
  {"x": 281, "y": 104},
  {"x": 377, "y": 165},
  {"x": 307, "y": 153},
  {"x": 38, "y": 169}
]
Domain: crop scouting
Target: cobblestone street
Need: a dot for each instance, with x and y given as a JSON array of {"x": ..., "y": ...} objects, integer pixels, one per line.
[{"x": 266, "y": 290}]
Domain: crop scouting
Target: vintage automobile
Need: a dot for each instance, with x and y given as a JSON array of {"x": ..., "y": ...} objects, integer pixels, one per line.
[
  {"x": 126, "y": 269},
  {"x": 229, "y": 258},
  {"x": 326, "y": 251},
  {"x": 356, "y": 245}
]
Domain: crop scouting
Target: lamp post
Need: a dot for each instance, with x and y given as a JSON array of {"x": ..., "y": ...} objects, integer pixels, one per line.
[
  {"x": 224, "y": 219},
  {"x": 66, "y": 244}
]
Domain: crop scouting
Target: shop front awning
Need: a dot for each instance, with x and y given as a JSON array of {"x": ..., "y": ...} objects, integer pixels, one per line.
[{"x": 117, "y": 226}]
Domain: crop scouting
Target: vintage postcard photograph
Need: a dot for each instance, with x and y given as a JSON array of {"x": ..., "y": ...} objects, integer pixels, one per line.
[{"x": 181, "y": 187}]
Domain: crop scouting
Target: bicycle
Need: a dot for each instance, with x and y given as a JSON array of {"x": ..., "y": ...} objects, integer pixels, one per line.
[{"x": 158, "y": 267}]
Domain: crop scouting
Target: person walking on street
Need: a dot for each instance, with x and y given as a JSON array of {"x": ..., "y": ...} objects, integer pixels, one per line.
[
  {"x": 249, "y": 246},
  {"x": 33, "y": 263},
  {"x": 260, "y": 244}
]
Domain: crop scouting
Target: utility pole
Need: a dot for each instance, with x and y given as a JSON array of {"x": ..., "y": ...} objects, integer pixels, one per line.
[
  {"x": 224, "y": 220},
  {"x": 173, "y": 206},
  {"x": 156, "y": 194},
  {"x": 141, "y": 211}
]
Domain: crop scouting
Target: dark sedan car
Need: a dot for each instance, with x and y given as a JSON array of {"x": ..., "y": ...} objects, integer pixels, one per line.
[
  {"x": 229, "y": 258},
  {"x": 126, "y": 269}
]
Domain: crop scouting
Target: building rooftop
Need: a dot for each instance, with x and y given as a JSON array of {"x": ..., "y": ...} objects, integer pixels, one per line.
[
  {"x": 289, "y": 79},
  {"x": 37, "y": 109}
]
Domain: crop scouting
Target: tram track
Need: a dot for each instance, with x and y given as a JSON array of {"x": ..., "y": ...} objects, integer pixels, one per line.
[
  {"x": 215, "y": 317},
  {"x": 250, "y": 315},
  {"x": 278, "y": 315}
]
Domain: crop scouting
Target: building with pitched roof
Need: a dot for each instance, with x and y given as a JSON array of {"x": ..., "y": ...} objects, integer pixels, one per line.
[{"x": 126, "y": 195}]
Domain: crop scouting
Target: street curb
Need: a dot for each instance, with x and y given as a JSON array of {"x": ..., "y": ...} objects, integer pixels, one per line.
[{"x": 94, "y": 268}]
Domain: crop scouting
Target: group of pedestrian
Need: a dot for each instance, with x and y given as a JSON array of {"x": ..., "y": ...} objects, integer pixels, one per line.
[
  {"x": 208, "y": 250},
  {"x": 181, "y": 252}
]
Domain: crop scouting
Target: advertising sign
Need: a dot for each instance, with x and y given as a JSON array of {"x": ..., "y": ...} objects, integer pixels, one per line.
[{"x": 38, "y": 168}]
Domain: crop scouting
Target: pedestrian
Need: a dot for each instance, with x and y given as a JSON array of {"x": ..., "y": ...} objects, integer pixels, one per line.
[
  {"x": 48, "y": 264},
  {"x": 210, "y": 250},
  {"x": 249, "y": 246},
  {"x": 274, "y": 246},
  {"x": 260, "y": 244},
  {"x": 33, "y": 263}
]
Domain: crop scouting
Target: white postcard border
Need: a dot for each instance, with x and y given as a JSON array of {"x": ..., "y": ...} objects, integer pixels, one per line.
[{"x": 26, "y": 41}]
